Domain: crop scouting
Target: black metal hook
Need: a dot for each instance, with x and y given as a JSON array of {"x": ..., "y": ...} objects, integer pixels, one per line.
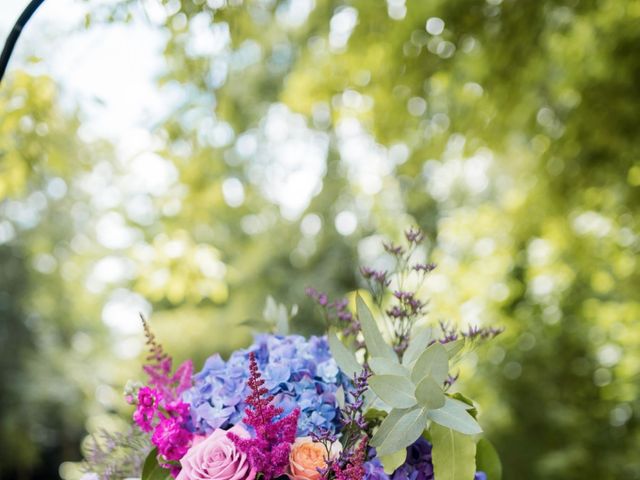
[{"x": 15, "y": 33}]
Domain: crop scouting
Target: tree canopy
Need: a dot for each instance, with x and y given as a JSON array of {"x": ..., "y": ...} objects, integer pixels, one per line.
[{"x": 305, "y": 131}]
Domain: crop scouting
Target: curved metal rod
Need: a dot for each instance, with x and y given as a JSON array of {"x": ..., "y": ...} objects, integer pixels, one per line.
[{"x": 15, "y": 33}]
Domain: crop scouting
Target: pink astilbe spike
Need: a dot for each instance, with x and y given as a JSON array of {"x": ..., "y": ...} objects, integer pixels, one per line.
[
  {"x": 268, "y": 451},
  {"x": 158, "y": 368},
  {"x": 354, "y": 468}
]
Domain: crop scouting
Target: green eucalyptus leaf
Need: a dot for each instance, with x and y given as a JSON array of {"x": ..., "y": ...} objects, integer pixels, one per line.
[
  {"x": 392, "y": 461},
  {"x": 453, "y": 454},
  {"x": 394, "y": 390},
  {"x": 487, "y": 460},
  {"x": 369, "y": 400},
  {"x": 152, "y": 470},
  {"x": 376, "y": 346},
  {"x": 455, "y": 347},
  {"x": 345, "y": 359},
  {"x": 403, "y": 432},
  {"x": 453, "y": 415},
  {"x": 465, "y": 402},
  {"x": 433, "y": 362},
  {"x": 261, "y": 325},
  {"x": 429, "y": 393},
  {"x": 387, "y": 424},
  {"x": 417, "y": 345},
  {"x": 282, "y": 324},
  {"x": 384, "y": 366},
  {"x": 277, "y": 316}
]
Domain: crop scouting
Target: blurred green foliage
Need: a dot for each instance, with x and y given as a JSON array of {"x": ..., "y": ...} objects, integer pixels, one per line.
[{"x": 506, "y": 129}]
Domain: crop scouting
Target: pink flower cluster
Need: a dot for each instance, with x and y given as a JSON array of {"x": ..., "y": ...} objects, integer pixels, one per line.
[
  {"x": 269, "y": 450},
  {"x": 159, "y": 408},
  {"x": 168, "y": 422},
  {"x": 354, "y": 468}
]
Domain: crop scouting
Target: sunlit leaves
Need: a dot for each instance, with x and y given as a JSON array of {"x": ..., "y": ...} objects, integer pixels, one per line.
[{"x": 453, "y": 454}]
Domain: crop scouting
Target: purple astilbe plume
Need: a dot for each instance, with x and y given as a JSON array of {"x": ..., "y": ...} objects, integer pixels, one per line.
[{"x": 268, "y": 451}]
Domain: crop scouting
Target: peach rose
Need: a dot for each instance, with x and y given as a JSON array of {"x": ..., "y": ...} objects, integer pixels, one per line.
[{"x": 307, "y": 457}]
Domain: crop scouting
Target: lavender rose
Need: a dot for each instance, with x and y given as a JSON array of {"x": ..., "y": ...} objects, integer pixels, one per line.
[{"x": 217, "y": 458}]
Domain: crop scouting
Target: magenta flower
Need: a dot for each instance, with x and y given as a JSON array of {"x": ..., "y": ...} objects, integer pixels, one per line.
[
  {"x": 159, "y": 408},
  {"x": 146, "y": 408}
]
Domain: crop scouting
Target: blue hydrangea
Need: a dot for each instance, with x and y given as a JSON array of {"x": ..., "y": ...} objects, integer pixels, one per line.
[{"x": 298, "y": 372}]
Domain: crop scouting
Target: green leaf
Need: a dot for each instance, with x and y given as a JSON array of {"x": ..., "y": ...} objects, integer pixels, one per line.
[
  {"x": 152, "y": 469},
  {"x": 466, "y": 403},
  {"x": 453, "y": 454},
  {"x": 399, "y": 430},
  {"x": 429, "y": 394},
  {"x": 373, "y": 415},
  {"x": 433, "y": 362},
  {"x": 277, "y": 316},
  {"x": 384, "y": 366},
  {"x": 417, "y": 345},
  {"x": 282, "y": 325},
  {"x": 345, "y": 359},
  {"x": 394, "y": 390},
  {"x": 392, "y": 461},
  {"x": 387, "y": 424},
  {"x": 453, "y": 348},
  {"x": 376, "y": 346},
  {"x": 487, "y": 460},
  {"x": 261, "y": 325},
  {"x": 453, "y": 415}
]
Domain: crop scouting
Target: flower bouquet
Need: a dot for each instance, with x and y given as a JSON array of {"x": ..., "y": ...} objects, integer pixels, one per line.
[{"x": 372, "y": 399}]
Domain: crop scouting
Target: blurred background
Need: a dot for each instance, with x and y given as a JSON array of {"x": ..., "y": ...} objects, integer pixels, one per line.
[{"x": 185, "y": 158}]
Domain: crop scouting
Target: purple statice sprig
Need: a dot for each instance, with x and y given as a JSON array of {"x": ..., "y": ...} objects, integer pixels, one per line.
[
  {"x": 349, "y": 464},
  {"x": 378, "y": 282},
  {"x": 337, "y": 313},
  {"x": 268, "y": 451},
  {"x": 352, "y": 413},
  {"x": 474, "y": 332},
  {"x": 405, "y": 307}
]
